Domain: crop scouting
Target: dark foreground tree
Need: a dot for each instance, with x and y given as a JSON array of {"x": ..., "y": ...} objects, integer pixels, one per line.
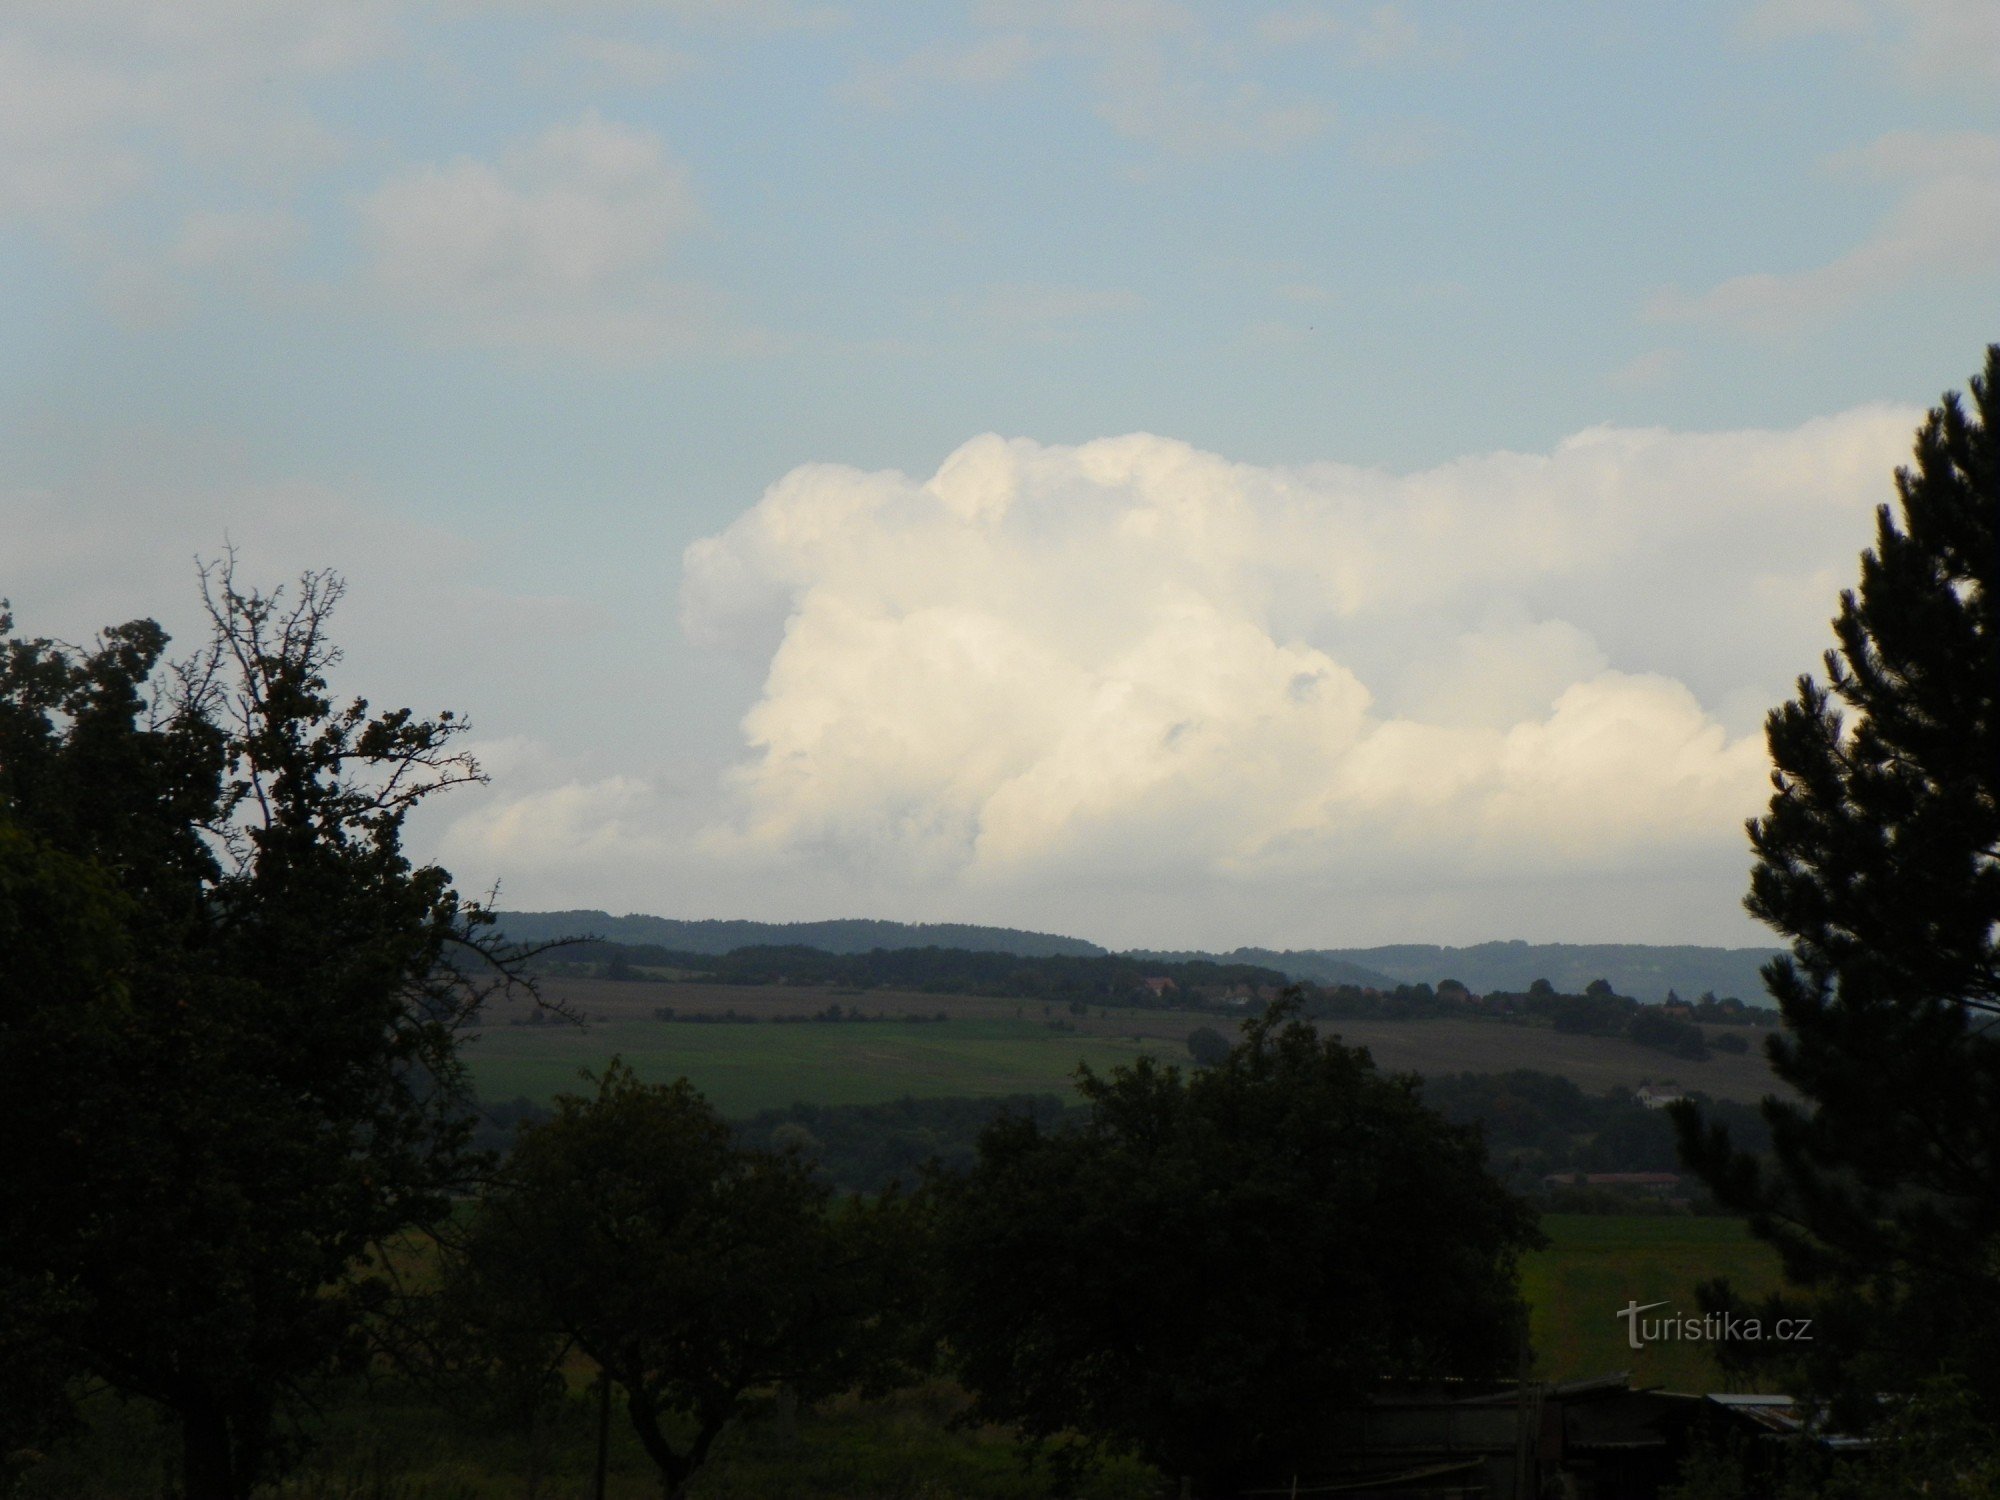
[
  {"x": 1880, "y": 859},
  {"x": 62, "y": 955},
  {"x": 693, "y": 1272},
  {"x": 229, "y": 1067},
  {"x": 1213, "y": 1264}
]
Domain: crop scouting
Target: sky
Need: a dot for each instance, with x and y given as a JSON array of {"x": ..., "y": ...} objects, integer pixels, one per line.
[{"x": 1299, "y": 475}]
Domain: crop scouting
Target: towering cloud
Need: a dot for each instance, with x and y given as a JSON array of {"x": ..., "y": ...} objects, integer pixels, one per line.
[{"x": 1134, "y": 658}]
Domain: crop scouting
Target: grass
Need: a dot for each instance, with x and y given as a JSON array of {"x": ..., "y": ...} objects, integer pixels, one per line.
[
  {"x": 388, "y": 1442},
  {"x": 987, "y": 1047},
  {"x": 1594, "y": 1064},
  {"x": 1597, "y": 1264},
  {"x": 746, "y": 1068}
]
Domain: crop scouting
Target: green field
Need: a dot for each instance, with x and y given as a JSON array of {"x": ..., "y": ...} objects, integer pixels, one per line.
[
  {"x": 988, "y": 1046},
  {"x": 746, "y": 1068},
  {"x": 1596, "y": 1264}
]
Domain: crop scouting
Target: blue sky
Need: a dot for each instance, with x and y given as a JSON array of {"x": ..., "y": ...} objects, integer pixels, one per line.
[{"x": 1524, "y": 376}]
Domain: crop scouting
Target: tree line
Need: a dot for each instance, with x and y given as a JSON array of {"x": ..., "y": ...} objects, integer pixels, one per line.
[
  {"x": 1066, "y": 979},
  {"x": 1117, "y": 981},
  {"x": 1533, "y": 1124}
]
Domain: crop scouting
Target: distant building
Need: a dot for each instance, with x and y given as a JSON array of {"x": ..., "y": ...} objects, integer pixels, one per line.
[
  {"x": 1784, "y": 1417},
  {"x": 1587, "y": 1439},
  {"x": 1161, "y": 986}
]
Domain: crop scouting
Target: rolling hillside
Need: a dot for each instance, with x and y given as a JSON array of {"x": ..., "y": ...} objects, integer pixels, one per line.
[
  {"x": 852, "y": 935},
  {"x": 1645, "y": 971},
  {"x": 986, "y": 1047}
]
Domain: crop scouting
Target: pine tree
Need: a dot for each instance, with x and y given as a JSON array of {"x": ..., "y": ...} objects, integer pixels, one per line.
[{"x": 1879, "y": 858}]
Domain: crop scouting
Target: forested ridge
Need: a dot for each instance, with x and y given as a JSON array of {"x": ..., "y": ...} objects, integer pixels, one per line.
[
  {"x": 1110, "y": 979},
  {"x": 1646, "y": 971}
]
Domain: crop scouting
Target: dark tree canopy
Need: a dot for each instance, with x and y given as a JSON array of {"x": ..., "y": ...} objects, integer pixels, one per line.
[
  {"x": 1207, "y": 1046},
  {"x": 1879, "y": 858},
  {"x": 692, "y": 1271},
  {"x": 229, "y": 1065},
  {"x": 62, "y": 957},
  {"x": 1212, "y": 1263}
]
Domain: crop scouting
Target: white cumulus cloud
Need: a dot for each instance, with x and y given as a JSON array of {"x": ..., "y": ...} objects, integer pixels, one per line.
[{"x": 1107, "y": 661}]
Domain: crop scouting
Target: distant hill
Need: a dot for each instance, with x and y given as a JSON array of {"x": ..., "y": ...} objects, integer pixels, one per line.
[
  {"x": 1645, "y": 971},
  {"x": 852, "y": 935}
]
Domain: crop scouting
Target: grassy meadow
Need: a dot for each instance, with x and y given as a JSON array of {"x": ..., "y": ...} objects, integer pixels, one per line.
[
  {"x": 1594, "y": 1266},
  {"x": 1597, "y": 1263},
  {"x": 987, "y": 1047},
  {"x": 386, "y": 1440}
]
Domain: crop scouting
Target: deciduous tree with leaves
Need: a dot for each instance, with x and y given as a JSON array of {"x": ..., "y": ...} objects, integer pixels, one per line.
[
  {"x": 1214, "y": 1263},
  {"x": 693, "y": 1272},
  {"x": 230, "y": 1071}
]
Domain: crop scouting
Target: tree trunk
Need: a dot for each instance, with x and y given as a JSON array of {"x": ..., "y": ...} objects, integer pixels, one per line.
[
  {"x": 603, "y": 1433},
  {"x": 538, "y": 1442},
  {"x": 208, "y": 1458},
  {"x": 224, "y": 1450},
  {"x": 674, "y": 1468}
]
